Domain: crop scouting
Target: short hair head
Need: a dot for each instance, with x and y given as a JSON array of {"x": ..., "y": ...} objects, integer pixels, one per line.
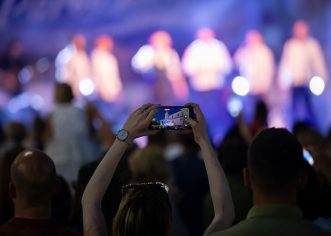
[
  {"x": 34, "y": 176},
  {"x": 160, "y": 39},
  {"x": 144, "y": 210},
  {"x": 275, "y": 161},
  {"x": 104, "y": 42},
  {"x": 205, "y": 33},
  {"x": 300, "y": 29},
  {"x": 63, "y": 93}
]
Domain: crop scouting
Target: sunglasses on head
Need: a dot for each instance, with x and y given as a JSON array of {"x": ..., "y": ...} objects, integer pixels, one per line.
[{"x": 127, "y": 188}]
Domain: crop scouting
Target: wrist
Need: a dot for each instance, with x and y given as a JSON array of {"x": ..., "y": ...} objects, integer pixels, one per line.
[
  {"x": 123, "y": 135},
  {"x": 205, "y": 143}
]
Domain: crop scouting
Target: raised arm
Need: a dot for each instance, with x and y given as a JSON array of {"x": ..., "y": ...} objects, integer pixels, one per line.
[
  {"x": 136, "y": 126},
  {"x": 219, "y": 188}
]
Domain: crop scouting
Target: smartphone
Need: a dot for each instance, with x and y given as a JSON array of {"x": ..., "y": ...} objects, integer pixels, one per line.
[
  {"x": 172, "y": 118},
  {"x": 308, "y": 157}
]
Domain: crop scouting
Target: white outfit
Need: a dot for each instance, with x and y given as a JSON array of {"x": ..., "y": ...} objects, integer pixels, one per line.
[
  {"x": 301, "y": 60},
  {"x": 61, "y": 60},
  {"x": 70, "y": 146},
  {"x": 207, "y": 63},
  {"x": 72, "y": 66},
  {"x": 256, "y": 63},
  {"x": 166, "y": 64},
  {"x": 106, "y": 75}
]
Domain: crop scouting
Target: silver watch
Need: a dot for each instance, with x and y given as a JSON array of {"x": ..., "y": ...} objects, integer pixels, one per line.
[{"x": 122, "y": 135}]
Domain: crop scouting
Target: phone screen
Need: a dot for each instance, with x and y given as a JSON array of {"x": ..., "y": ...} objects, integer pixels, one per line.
[{"x": 172, "y": 118}]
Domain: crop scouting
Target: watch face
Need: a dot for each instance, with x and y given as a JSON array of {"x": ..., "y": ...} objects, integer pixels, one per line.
[{"x": 122, "y": 135}]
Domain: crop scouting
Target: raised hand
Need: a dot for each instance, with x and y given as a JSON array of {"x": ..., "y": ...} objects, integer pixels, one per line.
[
  {"x": 199, "y": 126},
  {"x": 138, "y": 122}
]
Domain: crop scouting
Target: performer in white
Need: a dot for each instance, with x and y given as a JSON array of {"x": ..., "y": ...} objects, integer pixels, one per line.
[
  {"x": 256, "y": 63},
  {"x": 302, "y": 59},
  {"x": 105, "y": 70},
  {"x": 73, "y": 64},
  {"x": 206, "y": 61},
  {"x": 163, "y": 61}
]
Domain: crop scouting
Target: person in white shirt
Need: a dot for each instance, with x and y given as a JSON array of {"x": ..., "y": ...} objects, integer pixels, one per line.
[
  {"x": 73, "y": 64},
  {"x": 302, "y": 59},
  {"x": 162, "y": 61},
  {"x": 105, "y": 70},
  {"x": 206, "y": 61},
  {"x": 256, "y": 63}
]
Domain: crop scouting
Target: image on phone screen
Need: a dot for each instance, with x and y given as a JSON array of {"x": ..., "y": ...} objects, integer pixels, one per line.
[{"x": 171, "y": 118}]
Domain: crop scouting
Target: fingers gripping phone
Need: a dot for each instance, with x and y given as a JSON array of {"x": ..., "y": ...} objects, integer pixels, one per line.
[{"x": 172, "y": 118}]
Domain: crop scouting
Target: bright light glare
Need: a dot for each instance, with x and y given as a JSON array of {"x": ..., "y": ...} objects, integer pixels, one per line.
[
  {"x": 234, "y": 106},
  {"x": 317, "y": 85},
  {"x": 240, "y": 86},
  {"x": 143, "y": 59},
  {"x": 42, "y": 65},
  {"x": 37, "y": 101},
  {"x": 86, "y": 87}
]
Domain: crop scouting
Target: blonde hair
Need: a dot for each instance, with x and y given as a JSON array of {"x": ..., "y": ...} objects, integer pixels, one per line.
[{"x": 149, "y": 164}]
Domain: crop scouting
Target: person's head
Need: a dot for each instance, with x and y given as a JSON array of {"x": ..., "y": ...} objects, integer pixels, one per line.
[
  {"x": 16, "y": 132},
  {"x": 205, "y": 34},
  {"x": 33, "y": 179},
  {"x": 63, "y": 93},
  {"x": 261, "y": 112},
  {"x": 104, "y": 42},
  {"x": 254, "y": 37},
  {"x": 149, "y": 164},
  {"x": 144, "y": 210},
  {"x": 232, "y": 152},
  {"x": 79, "y": 41},
  {"x": 275, "y": 164},
  {"x": 300, "y": 30},
  {"x": 160, "y": 39}
]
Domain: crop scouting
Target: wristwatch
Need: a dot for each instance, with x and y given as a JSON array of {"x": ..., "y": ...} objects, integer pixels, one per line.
[{"x": 123, "y": 135}]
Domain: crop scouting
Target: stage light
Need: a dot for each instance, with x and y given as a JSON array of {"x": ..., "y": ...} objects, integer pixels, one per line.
[
  {"x": 316, "y": 85},
  {"x": 37, "y": 102},
  {"x": 25, "y": 75},
  {"x": 234, "y": 106},
  {"x": 240, "y": 86},
  {"x": 42, "y": 65},
  {"x": 86, "y": 87}
]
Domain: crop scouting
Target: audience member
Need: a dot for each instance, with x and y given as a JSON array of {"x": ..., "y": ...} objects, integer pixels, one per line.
[
  {"x": 275, "y": 172},
  {"x": 69, "y": 145},
  {"x": 232, "y": 154},
  {"x": 190, "y": 184},
  {"x": 145, "y": 207},
  {"x": 15, "y": 134},
  {"x": 112, "y": 197},
  {"x": 10, "y": 65},
  {"x": 33, "y": 181}
]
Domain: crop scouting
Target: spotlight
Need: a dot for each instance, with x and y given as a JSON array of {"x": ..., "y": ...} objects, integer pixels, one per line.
[
  {"x": 234, "y": 106},
  {"x": 317, "y": 85},
  {"x": 86, "y": 87},
  {"x": 240, "y": 86}
]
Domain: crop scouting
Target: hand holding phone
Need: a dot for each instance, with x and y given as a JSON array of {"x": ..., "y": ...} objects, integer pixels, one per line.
[{"x": 172, "y": 118}]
